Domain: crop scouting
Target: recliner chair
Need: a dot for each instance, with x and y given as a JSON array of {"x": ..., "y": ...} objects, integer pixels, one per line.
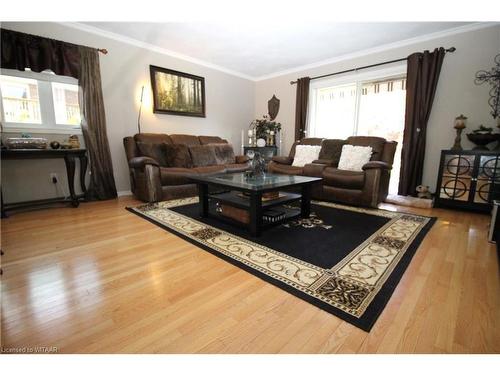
[{"x": 366, "y": 188}]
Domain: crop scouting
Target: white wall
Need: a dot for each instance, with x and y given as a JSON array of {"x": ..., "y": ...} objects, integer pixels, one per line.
[
  {"x": 456, "y": 91},
  {"x": 229, "y": 107},
  {"x": 232, "y": 102}
]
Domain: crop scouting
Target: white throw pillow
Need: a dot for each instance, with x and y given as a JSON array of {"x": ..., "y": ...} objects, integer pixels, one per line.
[
  {"x": 353, "y": 158},
  {"x": 305, "y": 155}
]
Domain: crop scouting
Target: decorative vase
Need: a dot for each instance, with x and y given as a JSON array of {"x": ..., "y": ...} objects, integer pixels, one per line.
[
  {"x": 261, "y": 142},
  {"x": 459, "y": 126},
  {"x": 481, "y": 140}
]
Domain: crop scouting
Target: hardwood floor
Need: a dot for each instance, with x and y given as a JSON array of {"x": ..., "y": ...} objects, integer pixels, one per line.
[{"x": 99, "y": 279}]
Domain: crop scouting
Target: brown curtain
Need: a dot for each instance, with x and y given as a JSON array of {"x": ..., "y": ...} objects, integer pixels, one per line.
[
  {"x": 102, "y": 182},
  {"x": 422, "y": 78},
  {"x": 20, "y": 51},
  {"x": 301, "y": 102}
]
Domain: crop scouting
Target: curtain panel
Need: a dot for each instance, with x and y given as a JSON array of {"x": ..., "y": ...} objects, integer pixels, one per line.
[
  {"x": 422, "y": 78},
  {"x": 20, "y": 51},
  {"x": 301, "y": 102},
  {"x": 102, "y": 182}
]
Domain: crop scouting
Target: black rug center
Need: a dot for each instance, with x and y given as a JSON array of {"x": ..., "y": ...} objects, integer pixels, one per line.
[{"x": 316, "y": 244}]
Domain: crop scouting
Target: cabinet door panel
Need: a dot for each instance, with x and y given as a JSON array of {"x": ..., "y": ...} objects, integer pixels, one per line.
[
  {"x": 457, "y": 175},
  {"x": 487, "y": 174}
]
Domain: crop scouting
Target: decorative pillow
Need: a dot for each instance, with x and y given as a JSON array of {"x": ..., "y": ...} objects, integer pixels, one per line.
[
  {"x": 354, "y": 157},
  {"x": 224, "y": 153},
  {"x": 331, "y": 149},
  {"x": 154, "y": 151},
  {"x": 203, "y": 156},
  {"x": 178, "y": 156},
  {"x": 305, "y": 154}
]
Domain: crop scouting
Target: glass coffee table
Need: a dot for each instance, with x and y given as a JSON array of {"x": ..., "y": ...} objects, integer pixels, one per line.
[{"x": 250, "y": 195}]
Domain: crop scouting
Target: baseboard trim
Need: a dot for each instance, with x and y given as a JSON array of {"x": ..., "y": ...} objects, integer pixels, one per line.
[{"x": 124, "y": 193}]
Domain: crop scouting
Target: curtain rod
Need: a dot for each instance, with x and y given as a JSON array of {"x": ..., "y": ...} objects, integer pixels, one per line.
[
  {"x": 104, "y": 51},
  {"x": 451, "y": 49}
]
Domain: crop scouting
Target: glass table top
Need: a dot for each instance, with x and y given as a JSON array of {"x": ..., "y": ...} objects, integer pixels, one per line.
[{"x": 268, "y": 181}]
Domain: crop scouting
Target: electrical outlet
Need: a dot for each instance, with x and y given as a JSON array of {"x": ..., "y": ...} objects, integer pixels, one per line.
[{"x": 54, "y": 179}]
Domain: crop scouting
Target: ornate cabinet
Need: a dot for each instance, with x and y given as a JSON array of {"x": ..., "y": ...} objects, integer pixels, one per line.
[{"x": 468, "y": 179}]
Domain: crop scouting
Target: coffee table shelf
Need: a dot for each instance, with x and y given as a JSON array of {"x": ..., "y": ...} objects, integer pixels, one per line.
[{"x": 234, "y": 199}]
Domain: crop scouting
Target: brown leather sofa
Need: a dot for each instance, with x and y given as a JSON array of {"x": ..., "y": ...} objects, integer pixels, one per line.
[
  {"x": 160, "y": 164},
  {"x": 366, "y": 188}
]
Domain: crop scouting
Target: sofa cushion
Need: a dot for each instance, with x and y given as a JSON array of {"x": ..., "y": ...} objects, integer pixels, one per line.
[
  {"x": 224, "y": 154},
  {"x": 209, "y": 139},
  {"x": 185, "y": 139},
  {"x": 305, "y": 155},
  {"x": 154, "y": 151},
  {"x": 203, "y": 155},
  {"x": 284, "y": 169},
  {"x": 178, "y": 156},
  {"x": 376, "y": 143},
  {"x": 232, "y": 168},
  {"x": 210, "y": 169},
  {"x": 175, "y": 176},
  {"x": 354, "y": 157},
  {"x": 331, "y": 150},
  {"x": 152, "y": 138},
  {"x": 343, "y": 179}
]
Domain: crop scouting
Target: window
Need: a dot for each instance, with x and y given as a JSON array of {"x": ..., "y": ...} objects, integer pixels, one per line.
[
  {"x": 20, "y": 100},
  {"x": 39, "y": 102},
  {"x": 371, "y": 104},
  {"x": 66, "y": 105}
]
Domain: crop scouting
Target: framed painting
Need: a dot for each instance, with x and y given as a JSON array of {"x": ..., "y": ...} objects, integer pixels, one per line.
[{"x": 177, "y": 93}]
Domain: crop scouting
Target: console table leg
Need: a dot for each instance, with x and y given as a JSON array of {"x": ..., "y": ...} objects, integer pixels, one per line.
[
  {"x": 69, "y": 160},
  {"x": 255, "y": 214},
  {"x": 4, "y": 214},
  {"x": 83, "y": 170},
  {"x": 305, "y": 201}
]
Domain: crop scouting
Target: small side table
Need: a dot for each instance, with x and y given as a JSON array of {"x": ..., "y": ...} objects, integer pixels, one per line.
[
  {"x": 69, "y": 156},
  {"x": 267, "y": 152}
]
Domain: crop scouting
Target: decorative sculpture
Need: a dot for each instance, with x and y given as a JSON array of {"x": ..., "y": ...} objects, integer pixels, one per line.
[
  {"x": 493, "y": 78},
  {"x": 273, "y": 107}
]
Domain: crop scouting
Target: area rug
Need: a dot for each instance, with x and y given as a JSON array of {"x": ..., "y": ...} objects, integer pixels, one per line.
[{"x": 344, "y": 260}]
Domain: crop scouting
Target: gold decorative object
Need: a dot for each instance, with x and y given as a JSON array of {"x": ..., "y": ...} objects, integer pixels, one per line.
[
  {"x": 459, "y": 126},
  {"x": 74, "y": 141}
]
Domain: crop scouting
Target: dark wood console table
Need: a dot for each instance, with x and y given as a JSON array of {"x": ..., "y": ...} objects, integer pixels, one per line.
[{"x": 69, "y": 156}]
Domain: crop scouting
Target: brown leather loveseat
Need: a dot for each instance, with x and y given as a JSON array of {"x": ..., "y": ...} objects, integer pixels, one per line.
[
  {"x": 368, "y": 187},
  {"x": 160, "y": 164}
]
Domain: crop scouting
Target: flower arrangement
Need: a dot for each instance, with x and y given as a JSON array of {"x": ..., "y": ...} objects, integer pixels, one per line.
[{"x": 264, "y": 127}]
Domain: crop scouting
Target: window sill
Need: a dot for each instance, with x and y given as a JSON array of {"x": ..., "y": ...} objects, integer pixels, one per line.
[{"x": 38, "y": 129}]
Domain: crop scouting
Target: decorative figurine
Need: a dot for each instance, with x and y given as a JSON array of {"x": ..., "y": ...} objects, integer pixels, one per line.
[
  {"x": 459, "y": 126},
  {"x": 74, "y": 141}
]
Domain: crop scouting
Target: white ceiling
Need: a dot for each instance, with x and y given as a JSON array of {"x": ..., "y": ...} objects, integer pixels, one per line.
[{"x": 257, "y": 50}]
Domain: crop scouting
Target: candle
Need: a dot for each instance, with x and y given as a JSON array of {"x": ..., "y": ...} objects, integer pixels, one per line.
[{"x": 250, "y": 132}]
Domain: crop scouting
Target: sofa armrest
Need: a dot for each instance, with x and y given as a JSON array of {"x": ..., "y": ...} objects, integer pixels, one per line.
[
  {"x": 377, "y": 165},
  {"x": 283, "y": 160},
  {"x": 326, "y": 162},
  {"x": 242, "y": 159},
  {"x": 141, "y": 161}
]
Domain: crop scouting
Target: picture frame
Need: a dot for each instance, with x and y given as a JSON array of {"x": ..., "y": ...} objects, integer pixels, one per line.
[{"x": 177, "y": 93}]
